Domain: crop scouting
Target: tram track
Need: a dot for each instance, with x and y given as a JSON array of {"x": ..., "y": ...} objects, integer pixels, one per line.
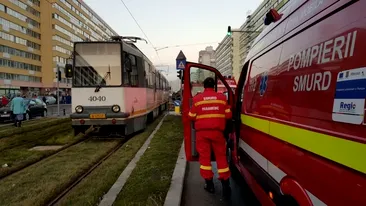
[
  {"x": 90, "y": 170},
  {"x": 83, "y": 138},
  {"x": 112, "y": 151},
  {"x": 19, "y": 140}
]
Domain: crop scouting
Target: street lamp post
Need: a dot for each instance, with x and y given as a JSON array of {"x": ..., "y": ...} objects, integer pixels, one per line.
[{"x": 230, "y": 31}]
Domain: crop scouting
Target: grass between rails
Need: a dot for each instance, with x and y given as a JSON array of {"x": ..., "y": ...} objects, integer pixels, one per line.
[
  {"x": 33, "y": 137},
  {"x": 20, "y": 157},
  {"x": 39, "y": 183},
  {"x": 31, "y": 126},
  {"x": 150, "y": 180},
  {"x": 9, "y": 125},
  {"x": 90, "y": 190}
]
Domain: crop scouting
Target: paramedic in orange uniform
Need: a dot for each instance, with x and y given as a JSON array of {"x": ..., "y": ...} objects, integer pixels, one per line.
[{"x": 209, "y": 112}]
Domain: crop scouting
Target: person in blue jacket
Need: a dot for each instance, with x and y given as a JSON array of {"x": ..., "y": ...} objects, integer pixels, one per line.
[{"x": 17, "y": 106}]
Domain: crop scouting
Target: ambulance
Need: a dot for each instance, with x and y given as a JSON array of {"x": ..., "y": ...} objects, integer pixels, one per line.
[
  {"x": 221, "y": 87},
  {"x": 299, "y": 130}
]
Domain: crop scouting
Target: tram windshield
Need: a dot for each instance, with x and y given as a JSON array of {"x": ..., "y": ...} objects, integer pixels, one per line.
[{"x": 93, "y": 61}]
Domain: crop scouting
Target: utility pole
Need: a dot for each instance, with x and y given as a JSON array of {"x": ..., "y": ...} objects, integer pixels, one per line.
[
  {"x": 181, "y": 61},
  {"x": 58, "y": 88}
]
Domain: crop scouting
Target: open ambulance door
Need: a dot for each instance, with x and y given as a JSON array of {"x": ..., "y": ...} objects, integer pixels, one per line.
[{"x": 193, "y": 76}]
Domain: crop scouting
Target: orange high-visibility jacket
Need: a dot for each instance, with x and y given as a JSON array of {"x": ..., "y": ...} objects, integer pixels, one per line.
[{"x": 210, "y": 111}]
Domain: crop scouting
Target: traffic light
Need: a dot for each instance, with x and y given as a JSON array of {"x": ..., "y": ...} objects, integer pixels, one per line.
[
  {"x": 68, "y": 70},
  {"x": 229, "y": 32},
  {"x": 58, "y": 75},
  {"x": 180, "y": 75}
]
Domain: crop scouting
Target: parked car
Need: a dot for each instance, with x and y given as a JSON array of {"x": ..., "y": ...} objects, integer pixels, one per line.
[
  {"x": 35, "y": 108},
  {"x": 49, "y": 99}
]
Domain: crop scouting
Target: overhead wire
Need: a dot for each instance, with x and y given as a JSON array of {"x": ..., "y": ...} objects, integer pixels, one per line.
[
  {"x": 141, "y": 29},
  {"x": 183, "y": 45}
]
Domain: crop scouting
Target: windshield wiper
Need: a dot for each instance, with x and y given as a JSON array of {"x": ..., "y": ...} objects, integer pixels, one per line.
[{"x": 104, "y": 79}]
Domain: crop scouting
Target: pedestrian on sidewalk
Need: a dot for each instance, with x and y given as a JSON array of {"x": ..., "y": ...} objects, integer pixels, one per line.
[
  {"x": 209, "y": 112},
  {"x": 17, "y": 106}
]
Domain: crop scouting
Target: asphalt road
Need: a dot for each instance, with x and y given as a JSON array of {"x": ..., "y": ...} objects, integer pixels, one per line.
[
  {"x": 194, "y": 194},
  {"x": 51, "y": 112},
  {"x": 52, "y": 109}
]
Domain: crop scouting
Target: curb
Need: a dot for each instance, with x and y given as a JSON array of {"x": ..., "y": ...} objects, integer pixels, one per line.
[
  {"x": 174, "y": 195},
  {"x": 109, "y": 198}
]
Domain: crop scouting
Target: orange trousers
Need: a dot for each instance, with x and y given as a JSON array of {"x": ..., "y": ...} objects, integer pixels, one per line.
[{"x": 205, "y": 141}]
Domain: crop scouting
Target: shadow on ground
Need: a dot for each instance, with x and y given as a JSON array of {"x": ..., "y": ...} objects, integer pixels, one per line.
[{"x": 194, "y": 194}]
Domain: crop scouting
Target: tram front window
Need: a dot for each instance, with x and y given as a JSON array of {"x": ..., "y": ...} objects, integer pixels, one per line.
[{"x": 93, "y": 61}]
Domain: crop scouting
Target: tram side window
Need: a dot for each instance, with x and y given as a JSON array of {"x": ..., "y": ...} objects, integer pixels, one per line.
[
  {"x": 134, "y": 72},
  {"x": 147, "y": 74},
  {"x": 156, "y": 80},
  {"x": 153, "y": 79},
  {"x": 160, "y": 82},
  {"x": 127, "y": 67}
]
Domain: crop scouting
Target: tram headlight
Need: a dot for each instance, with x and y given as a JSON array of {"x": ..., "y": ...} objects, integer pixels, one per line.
[
  {"x": 79, "y": 109},
  {"x": 116, "y": 108}
]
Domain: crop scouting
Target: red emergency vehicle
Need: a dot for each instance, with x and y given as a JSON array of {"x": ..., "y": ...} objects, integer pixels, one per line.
[
  {"x": 221, "y": 87},
  {"x": 299, "y": 127}
]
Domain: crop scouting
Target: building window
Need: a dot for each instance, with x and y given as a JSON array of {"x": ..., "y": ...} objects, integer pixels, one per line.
[
  {"x": 36, "y": 2},
  {"x": 58, "y": 59},
  {"x": 20, "y": 53},
  {"x": 19, "y": 77},
  {"x": 62, "y": 40},
  {"x": 73, "y": 37},
  {"x": 19, "y": 65},
  {"x": 62, "y": 50}
]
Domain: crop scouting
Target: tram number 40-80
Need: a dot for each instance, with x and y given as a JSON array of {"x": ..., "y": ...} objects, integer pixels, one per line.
[{"x": 97, "y": 98}]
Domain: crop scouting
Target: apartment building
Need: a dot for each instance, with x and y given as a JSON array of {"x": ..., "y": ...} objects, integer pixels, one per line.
[
  {"x": 251, "y": 28},
  {"x": 206, "y": 57},
  {"x": 36, "y": 35},
  {"x": 227, "y": 54}
]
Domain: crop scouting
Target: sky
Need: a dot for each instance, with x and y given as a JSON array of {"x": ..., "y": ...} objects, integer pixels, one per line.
[{"x": 191, "y": 24}]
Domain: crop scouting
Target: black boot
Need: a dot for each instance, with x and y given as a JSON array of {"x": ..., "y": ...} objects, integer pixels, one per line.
[
  {"x": 226, "y": 190},
  {"x": 209, "y": 186},
  {"x": 20, "y": 124}
]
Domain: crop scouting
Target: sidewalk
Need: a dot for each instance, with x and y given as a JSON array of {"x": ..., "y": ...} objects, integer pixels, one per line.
[
  {"x": 194, "y": 194},
  {"x": 187, "y": 186}
]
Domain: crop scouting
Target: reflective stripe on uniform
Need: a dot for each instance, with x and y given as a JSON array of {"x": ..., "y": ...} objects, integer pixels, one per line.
[
  {"x": 204, "y": 116},
  {"x": 343, "y": 151},
  {"x": 191, "y": 114},
  {"x": 223, "y": 170},
  {"x": 227, "y": 110},
  {"x": 205, "y": 167},
  {"x": 210, "y": 102}
]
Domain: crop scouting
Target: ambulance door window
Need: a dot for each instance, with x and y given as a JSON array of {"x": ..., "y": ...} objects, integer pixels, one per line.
[{"x": 197, "y": 76}]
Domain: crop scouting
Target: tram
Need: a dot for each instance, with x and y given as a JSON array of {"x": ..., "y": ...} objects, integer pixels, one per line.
[{"x": 115, "y": 87}]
